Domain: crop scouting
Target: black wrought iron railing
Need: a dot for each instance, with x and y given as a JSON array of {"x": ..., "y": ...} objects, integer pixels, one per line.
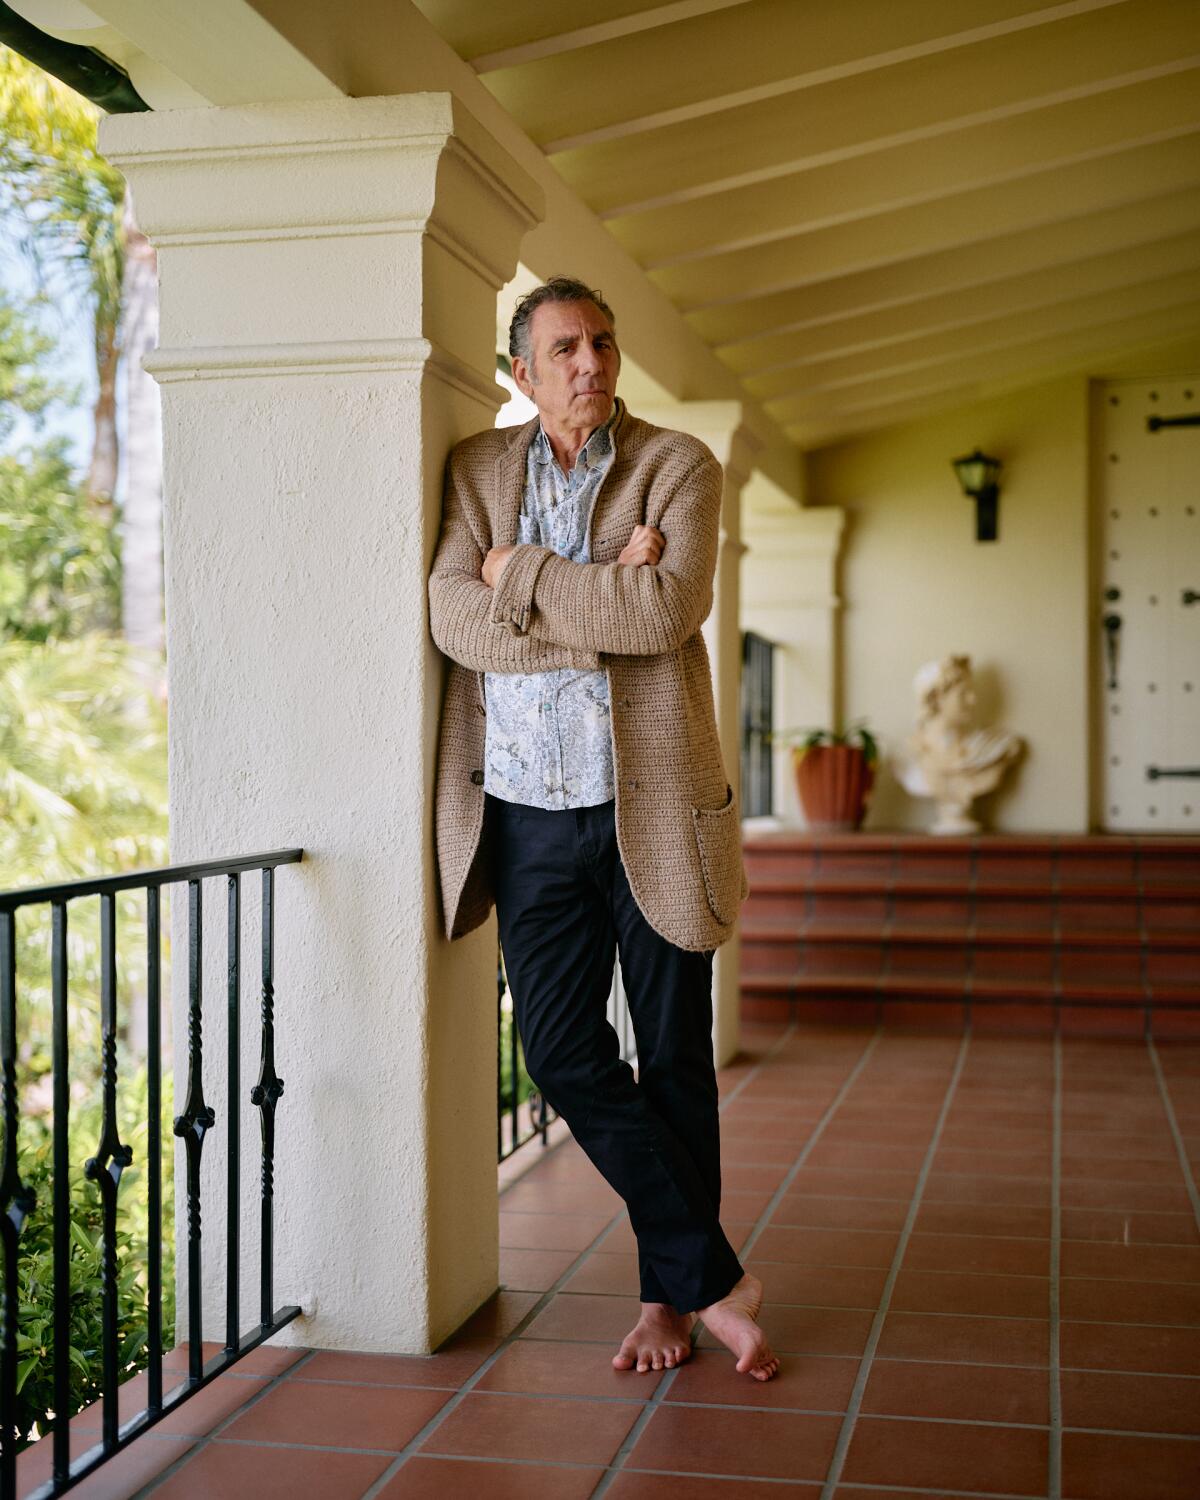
[
  {"x": 758, "y": 667},
  {"x": 112, "y": 1156},
  {"x": 522, "y": 1114}
]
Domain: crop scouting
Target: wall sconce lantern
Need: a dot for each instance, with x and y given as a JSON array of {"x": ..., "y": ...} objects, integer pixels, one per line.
[{"x": 977, "y": 474}]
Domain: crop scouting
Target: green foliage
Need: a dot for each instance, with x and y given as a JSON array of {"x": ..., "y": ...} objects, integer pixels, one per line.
[
  {"x": 525, "y": 1085},
  {"x": 35, "y": 1331},
  {"x": 82, "y": 791},
  {"x": 82, "y": 762},
  {"x": 803, "y": 740},
  {"x": 24, "y": 348},
  {"x": 82, "y": 740},
  {"x": 62, "y": 196},
  {"x": 60, "y": 571}
]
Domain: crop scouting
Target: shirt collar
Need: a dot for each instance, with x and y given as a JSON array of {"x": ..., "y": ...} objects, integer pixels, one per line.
[{"x": 597, "y": 447}]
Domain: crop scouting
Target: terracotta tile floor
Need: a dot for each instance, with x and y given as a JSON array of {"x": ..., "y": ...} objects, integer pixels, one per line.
[{"x": 982, "y": 1263}]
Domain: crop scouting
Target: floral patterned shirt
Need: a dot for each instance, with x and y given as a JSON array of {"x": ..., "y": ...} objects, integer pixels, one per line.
[{"x": 548, "y": 741}]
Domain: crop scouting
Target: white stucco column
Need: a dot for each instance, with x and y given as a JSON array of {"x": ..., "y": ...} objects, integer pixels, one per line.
[
  {"x": 790, "y": 596},
  {"x": 328, "y": 275},
  {"x": 722, "y": 425}
]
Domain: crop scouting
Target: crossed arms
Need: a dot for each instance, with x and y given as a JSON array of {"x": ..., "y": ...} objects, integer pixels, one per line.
[{"x": 548, "y": 612}]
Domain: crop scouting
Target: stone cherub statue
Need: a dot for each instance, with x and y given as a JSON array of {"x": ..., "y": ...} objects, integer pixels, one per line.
[{"x": 947, "y": 758}]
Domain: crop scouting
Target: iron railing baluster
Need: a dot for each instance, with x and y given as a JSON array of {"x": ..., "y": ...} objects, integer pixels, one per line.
[
  {"x": 154, "y": 1149},
  {"x": 500, "y": 1151},
  {"x": 62, "y": 1194},
  {"x": 105, "y": 1168},
  {"x": 266, "y": 1095},
  {"x": 513, "y": 1081},
  {"x": 16, "y": 1204},
  {"x": 233, "y": 1107},
  {"x": 17, "y": 1200},
  {"x": 197, "y": 1118}
]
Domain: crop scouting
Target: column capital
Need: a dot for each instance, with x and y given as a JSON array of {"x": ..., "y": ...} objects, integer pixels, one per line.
[
  {"x": 723, "y": 425},
  {"x": 327, "y": 236},
  {"x": 794, "y": 558}
]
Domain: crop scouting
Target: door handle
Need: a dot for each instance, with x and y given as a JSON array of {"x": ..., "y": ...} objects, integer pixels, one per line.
[
  {"x": 1191, "y": 596},
  {"x": 1112, "y": 630}
]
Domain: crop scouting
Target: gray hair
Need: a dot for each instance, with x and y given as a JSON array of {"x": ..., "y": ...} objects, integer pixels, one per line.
[{"x": 557, "y": 289}]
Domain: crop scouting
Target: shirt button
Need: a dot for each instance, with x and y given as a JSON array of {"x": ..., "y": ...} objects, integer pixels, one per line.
[
  {"x": 481, "y": 708},
  {"x": 477, "y": 777}
]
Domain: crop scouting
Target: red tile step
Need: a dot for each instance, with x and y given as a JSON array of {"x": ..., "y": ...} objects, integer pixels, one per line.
[{"x": 1098, "y": 929}]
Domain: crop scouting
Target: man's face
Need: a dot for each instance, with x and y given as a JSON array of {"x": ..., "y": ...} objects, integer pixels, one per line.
[{"x": 572, "y": 377}]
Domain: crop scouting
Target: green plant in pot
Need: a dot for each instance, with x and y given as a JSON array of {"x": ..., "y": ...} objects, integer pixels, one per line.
[{"x": 835, "y": 772}]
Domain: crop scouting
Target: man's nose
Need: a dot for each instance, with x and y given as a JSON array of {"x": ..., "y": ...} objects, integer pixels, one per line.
[{"x": 590, "y": 360}]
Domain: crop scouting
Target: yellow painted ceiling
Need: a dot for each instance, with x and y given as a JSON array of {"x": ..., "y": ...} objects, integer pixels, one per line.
[{"x": 865, "y": 206}]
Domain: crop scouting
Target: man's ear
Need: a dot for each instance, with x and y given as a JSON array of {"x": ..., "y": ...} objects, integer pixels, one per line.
[{"x": 520, "y": 371}]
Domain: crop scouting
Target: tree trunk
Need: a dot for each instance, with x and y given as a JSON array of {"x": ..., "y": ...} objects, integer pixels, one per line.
[
  {"x": 141, "y": 511},
  {"x": 141, "y": 522},
  {"x": 102, "y": 472}
]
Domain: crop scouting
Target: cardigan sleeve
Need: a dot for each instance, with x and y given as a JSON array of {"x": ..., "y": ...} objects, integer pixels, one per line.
[
  {"x": 615, "y": 608},
  {"x": 464, "y": 618}
]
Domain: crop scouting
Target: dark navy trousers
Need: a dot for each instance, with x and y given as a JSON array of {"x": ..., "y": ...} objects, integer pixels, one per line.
[{"x": 565, "y": 910}]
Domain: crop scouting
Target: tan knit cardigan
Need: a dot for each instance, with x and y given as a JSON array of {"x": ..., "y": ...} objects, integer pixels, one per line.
[{"x": 678, "y": 826}]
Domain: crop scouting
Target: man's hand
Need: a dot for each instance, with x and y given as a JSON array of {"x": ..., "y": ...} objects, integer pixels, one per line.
[
  {"x": 494, "y": 564},
  {"x": 644, "y": 546}
]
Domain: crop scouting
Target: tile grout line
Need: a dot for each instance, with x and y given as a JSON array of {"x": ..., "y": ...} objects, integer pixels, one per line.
[
  {"x": 601, "y": 1237},
  {"x": 430, "y": 1427},
  {"x": 819, "y": 1128},
  {"x": 752, "y": 1073},
  {"x": 1054, "y": 1457},
  {"x": 204, "y": 1439},
  {"x": 1185, "y": 1166},
  {"x": 633, "y": 1436},
  {"x": 903, "y": 1491},
  {"x": 854, "y": 1404}
]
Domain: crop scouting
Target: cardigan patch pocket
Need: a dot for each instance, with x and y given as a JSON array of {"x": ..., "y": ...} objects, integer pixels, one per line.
[{"x": 718, "y": 838}]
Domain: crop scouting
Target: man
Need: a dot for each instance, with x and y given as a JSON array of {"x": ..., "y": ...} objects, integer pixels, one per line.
[{"x": 581, "y": 789}]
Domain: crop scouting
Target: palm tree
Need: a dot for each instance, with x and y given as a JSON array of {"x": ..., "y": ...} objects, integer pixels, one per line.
[
  {"x": 77, "y": 220},
  {"x": 68, "y": 204},
  {"x": 141, "y": 518},
  {"x": 82, "y": 791}
]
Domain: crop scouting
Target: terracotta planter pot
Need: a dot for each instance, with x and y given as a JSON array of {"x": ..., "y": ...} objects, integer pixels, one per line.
[{"x": 834, "y": 782}]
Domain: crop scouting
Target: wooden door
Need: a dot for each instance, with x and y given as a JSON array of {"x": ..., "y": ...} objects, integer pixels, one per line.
[{"x": 1147, "y": 614}]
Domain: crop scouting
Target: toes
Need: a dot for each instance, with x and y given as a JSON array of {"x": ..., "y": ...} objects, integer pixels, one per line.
[{"x": 623, "y": 1359}]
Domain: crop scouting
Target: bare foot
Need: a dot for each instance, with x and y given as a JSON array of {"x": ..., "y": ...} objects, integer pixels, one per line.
[
  {"x": 661, "y": 1340},
  {"x": 734, "y": 1320}
]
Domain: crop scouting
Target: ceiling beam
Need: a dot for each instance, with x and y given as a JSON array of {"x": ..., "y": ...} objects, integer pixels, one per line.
[
  {"x": 922, "y": 171},
  {"x": 1026, "y": 364},
  {"x": 963, "y": 221},
  {"x": 983, "y": 339},
  {"x": 881, "y": 328},
  {"x": 1177, "y": 353},
  {"x": 934, "y": 96},
  {"x": 850, "y": 293},
  {"x": 602, "y": 31},
  {"x": 744, "y": 57}
]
